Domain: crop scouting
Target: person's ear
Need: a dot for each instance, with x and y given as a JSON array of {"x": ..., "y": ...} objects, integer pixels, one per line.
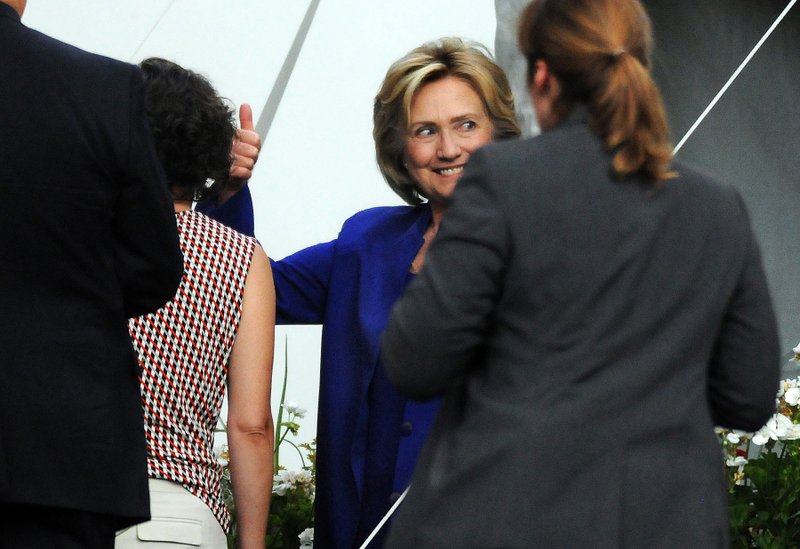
[
  {"x": 544, "y": 91},
  {"x": 540, "y": 83}
]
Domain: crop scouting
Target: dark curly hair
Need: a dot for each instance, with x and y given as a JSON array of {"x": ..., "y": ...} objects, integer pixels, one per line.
[{"x": 193, "y": 129}]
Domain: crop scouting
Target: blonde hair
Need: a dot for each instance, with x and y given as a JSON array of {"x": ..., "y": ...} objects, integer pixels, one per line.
[
  {"x": 599, "y": 50},
  {"x": 433, "y": 60}
]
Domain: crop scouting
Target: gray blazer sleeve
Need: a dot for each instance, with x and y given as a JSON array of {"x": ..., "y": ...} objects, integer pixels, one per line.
[
  {"x": 746, "y": 358},
  {"x": 437, "y": 328}
]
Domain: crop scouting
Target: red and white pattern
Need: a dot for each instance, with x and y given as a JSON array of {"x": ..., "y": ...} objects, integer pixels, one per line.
[{"x": 183, "y": 349}]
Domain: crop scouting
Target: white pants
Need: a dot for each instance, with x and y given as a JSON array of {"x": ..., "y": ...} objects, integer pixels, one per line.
[{"x": 179, "y": 519}]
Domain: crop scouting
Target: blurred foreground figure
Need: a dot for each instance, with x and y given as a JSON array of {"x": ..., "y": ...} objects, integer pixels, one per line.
[
  {"x": 88, "y": 240},
  {"x": 590, "y": 312}
]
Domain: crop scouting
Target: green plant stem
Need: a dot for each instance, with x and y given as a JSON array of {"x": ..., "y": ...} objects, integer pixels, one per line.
[
  {"x": 276, "y": 452},
  {"x": 281, "y": 438},
  {"x": 299, "y": 453}
]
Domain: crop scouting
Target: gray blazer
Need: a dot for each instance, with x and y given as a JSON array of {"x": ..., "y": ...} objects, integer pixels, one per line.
[{"x": 588, "y": 334}]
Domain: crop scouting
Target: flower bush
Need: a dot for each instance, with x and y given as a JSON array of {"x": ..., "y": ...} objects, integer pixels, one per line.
[
  {"x": 291, "y": 511},
  {"x": 763, "y": 471}
]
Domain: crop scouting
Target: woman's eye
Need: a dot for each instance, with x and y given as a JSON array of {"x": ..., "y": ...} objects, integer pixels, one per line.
[
  {"x": 468, "y": 125},
  {"x": 424, "y": 132}
]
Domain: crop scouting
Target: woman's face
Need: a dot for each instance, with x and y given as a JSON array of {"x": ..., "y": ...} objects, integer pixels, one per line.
[{"x": 447, "y": 123}]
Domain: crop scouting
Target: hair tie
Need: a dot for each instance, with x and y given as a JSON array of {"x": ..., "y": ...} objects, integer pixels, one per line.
[{"x": 613, "y": 58}]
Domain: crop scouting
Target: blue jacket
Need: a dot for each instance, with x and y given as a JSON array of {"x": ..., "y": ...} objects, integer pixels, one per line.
[
  {"x": 349, "y": 285},
  {"x": 236, "y": 213},
  {"x": 366, "y": 452}
]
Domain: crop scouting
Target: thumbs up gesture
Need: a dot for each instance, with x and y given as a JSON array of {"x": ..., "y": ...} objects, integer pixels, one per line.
[{"x": 246, "y": 145}]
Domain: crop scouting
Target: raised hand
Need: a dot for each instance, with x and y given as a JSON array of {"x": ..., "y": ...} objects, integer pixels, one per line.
[{"x": 246, "y": 145}]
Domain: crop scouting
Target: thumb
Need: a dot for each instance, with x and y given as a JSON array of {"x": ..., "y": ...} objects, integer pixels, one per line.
[{"x": 246, "y": 117}]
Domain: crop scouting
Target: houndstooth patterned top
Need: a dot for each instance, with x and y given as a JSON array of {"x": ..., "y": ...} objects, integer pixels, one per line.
[{"x": 183, "y": 349}]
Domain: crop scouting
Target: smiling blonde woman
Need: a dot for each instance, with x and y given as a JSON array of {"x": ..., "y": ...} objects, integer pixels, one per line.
[{"x": 436, "y": 106}]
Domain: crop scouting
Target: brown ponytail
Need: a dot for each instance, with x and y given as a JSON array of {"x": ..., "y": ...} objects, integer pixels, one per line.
[{"x": 599, "y": 50}]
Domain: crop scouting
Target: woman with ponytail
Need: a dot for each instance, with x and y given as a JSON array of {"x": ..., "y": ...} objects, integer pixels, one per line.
[{"x": 590, "y": 309}]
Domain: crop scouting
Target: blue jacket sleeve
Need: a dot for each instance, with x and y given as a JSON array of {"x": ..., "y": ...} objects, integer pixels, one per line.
[
  {"x": 236, "y": 213},
  {"x": 301, "y": 284}
]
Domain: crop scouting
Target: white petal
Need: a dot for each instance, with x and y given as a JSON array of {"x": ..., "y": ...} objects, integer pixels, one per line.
[
  {"x": 760, "y": 438},
  {"x": 736, "y": 461}
]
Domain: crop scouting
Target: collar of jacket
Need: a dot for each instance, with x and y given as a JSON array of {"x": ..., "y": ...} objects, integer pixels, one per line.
[
  {"x": 8, "y": 11},
  {"x": 579, "y": 114}
]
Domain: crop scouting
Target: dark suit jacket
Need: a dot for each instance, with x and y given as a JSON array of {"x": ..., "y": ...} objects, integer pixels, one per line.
[
  {"x": 88, "y": 240},
  {"x": 589, "y": 334}
]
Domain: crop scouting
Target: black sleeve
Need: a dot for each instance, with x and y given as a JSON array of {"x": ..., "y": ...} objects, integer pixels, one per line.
[{"x": 149, "y": 263}]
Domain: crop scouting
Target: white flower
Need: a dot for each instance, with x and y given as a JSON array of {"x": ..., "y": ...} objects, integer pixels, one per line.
[
  {"x": 289, "y": 480},
  {"x": 282, "y": 482},
  {"x": 792, "y": 396},
  {"x": 737, "y": 461},
  {"x": 792, "y": 432},
  {"x": 761, "y": 437},
  {"x": 733, "y": 437},
  {"x": 223, "y": 454},
  {"x": 796, "y": 351},
  {"x": 294, "y": 408},
  {"x": 785, "y": 385},
  {"x": 779, "y": 427},
  {"x": 306, "y": 538}
]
